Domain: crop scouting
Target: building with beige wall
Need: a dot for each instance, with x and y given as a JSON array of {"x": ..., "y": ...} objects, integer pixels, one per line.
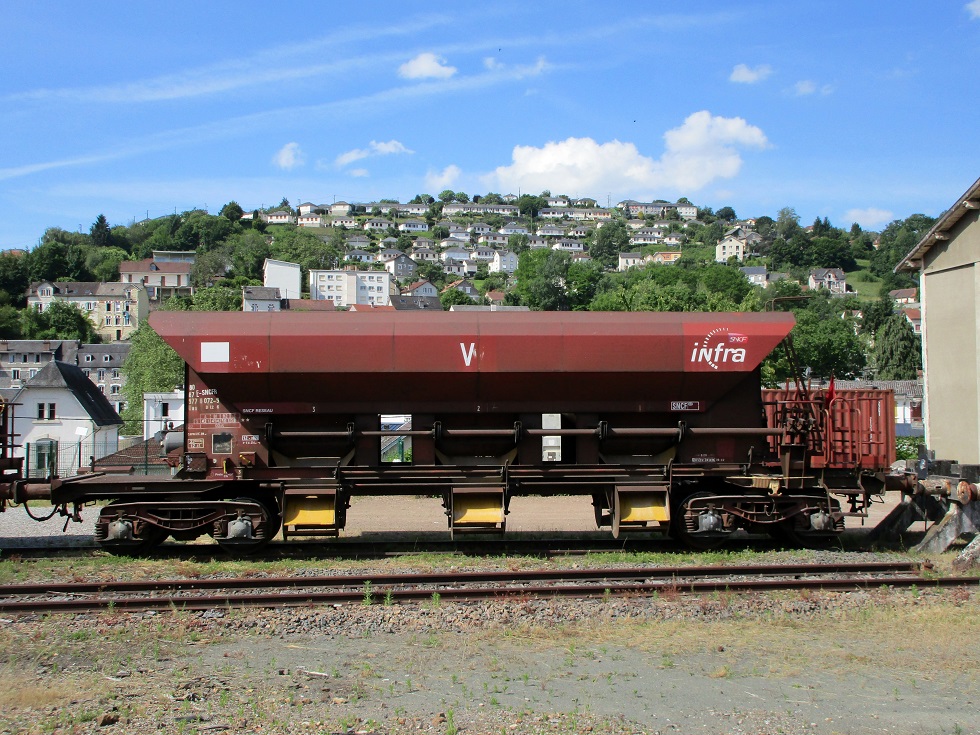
[{"x": 948, "y": 262}]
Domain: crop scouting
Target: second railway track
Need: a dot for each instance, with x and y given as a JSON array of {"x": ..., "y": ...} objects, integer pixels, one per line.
[{"x": 298, "y": 591}]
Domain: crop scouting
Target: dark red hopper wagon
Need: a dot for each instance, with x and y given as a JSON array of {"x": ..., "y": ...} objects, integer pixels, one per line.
[{"x": 660, "y": 418}]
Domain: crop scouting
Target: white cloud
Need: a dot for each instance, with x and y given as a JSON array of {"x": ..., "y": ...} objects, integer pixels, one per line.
[
  {"x": 437, "y": 180},
  {"x": 289, "y": 157},
  {"x": 806, "y": 87},
  {"x": 704, "y": 148},
  {"x": 973, "y": 8},
  {"x": 426, "y": 66},
  {"x": 492, "y": 64},
  {"x": 374, "y": 149},
  {"x": 870, "y": 218},
  {"x": 742, "y": 74},
  {"x": 359, "y": 173}
]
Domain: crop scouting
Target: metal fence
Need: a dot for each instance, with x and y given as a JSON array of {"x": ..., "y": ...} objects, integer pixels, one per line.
[{"x": 50, "y": 458}]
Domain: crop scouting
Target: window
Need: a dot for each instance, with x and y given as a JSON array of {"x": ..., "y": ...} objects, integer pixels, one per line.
[
  {"x": 115, "y": 373},
  {"x": 46, "y": 412},
  {"x": 101, "y": 374},
  {"x": 37, "y": 358},
  {"x": 89, "y": 358},
  {"x": 33, "y": 372},
  {"x": 164, "y": 409},
  {"x": 44, "y": 456},
  {"x": 107, "y": 358},
  {"x": 114, "y": 389},
  {"x": 12, "y": 357},
  {"x": 15, "y": 374}
]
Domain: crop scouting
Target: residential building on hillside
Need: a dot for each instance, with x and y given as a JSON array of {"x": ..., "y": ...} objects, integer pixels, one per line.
[
  {"x": 287, "y": 277},
  {"x": 311, "y": 219},
  {"x": 279, "y": 217},
  {"x": 102, "y": 364},
  {"x": 421, "y": 288},
  {"x": 23, "y": 359},
  {"x": 115, "y": 309},
  {"x": 261, "y": 298},
  {"x": 629, "y": 260},
  {"x": 401, "y": 266},
  {"x": 65, "y": 422},
  {"x": 504, "y": 261},
  {"x": 831, "y": 279},
  {"x": 161, "y": 279},
  {"x": 351, "y": 287},
  {"x": 730, "y": 247},
  {"x": 162, "y": 412}
]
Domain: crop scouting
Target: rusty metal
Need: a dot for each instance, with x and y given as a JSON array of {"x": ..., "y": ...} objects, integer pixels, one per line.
[{"x": 350, "y": 590}]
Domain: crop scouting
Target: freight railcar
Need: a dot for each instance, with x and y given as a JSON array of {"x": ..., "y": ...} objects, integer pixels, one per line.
[{"x": 659, "y": 418}]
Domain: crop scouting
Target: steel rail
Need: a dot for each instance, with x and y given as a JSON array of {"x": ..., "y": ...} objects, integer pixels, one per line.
[
  {"x": 443, "y": 578},
  {"x": 461, "y": 594}
]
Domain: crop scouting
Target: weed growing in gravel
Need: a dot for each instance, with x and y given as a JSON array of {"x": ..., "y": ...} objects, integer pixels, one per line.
[{"x": 368, "y": 598}]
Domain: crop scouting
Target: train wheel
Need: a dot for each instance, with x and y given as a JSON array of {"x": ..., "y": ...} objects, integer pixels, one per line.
[
  {"x": 122, "y": 540},
  {"x": 684, "y": 528},
  {"x": 271, "y": 521}
]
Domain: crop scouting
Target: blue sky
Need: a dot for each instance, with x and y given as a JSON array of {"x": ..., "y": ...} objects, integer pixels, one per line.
[{"x": 855, "y": 111}]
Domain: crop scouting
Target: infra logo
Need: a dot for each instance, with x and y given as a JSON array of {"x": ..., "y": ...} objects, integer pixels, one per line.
[{"x": 720, "y": 346}]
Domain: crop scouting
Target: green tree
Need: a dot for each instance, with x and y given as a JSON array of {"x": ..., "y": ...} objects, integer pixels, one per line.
[
  {"x": 103, "y": 263},
  {"x": 152, "y": 366},
  {"x": 454, "y": 297},
  {"x": 542, "y": 280},
  {"x": 218, "y": 298},
  {"x": 726, "y": 213},
  {"x": 232, "y": 211},
  {"x": 529, "y": 206},
  {"x": 13, "y": 277},
  {"x": 606, "y": 243},
  {"x": 897, "y": 350},
  {"x": 100, "y": 232},
  {"x": 208, "y": 267},
  {"x": 10, "y": 323},
  {"x": 447, "y": 195},
  {"x": 61, "y": 320}
]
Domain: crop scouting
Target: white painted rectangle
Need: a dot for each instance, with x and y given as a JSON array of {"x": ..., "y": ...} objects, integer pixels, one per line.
[{"x": 215, "y": 352}]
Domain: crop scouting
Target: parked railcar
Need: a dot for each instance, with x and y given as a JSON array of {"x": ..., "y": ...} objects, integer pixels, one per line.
[{"x": 659, "y": 417}]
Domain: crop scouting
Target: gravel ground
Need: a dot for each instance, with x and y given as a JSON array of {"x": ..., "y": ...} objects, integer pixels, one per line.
[{"x": 875, "y": 661}]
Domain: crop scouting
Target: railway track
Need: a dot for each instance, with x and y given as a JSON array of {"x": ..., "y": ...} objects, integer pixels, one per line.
[{"x": 273, "y": 592}]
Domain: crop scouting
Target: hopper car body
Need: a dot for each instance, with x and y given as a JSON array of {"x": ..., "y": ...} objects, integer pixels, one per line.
[{"x": 660, "y": 418}]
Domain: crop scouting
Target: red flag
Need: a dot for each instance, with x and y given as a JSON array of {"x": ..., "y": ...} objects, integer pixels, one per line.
[{"x": 831, "y": 393}]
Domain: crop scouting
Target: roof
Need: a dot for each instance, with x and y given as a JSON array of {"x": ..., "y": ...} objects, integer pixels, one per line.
[
  {"x": 406, "y": 302},
  {"x": 147, "y": 264},
  {"x": 56, "y": 374},
  {"x": 148, "y": 452},
  {"x": 262, "y": 293},
  {"x": 967, "y": 203}
]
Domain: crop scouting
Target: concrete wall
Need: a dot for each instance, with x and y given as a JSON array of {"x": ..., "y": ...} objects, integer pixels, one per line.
[{"x": 950, "y": 283}]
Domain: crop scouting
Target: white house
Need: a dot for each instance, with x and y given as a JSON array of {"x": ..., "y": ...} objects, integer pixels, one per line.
[
  {"x": 504, "y": 261},
  {"x": 421, "y": 288},
  {"x": 310, "y": 220},
  {"x": 63, "y": 421},
  {"x": 413, "y": 225},
  {"x": 352, "y": 287},
  {"x": 260, "y": 298},
  {"x": 162, "y": 411},
  {"x": 285, "y": 276},
  {"x": 629, "y": 260},
  {"x": 730, "y": 247}
]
